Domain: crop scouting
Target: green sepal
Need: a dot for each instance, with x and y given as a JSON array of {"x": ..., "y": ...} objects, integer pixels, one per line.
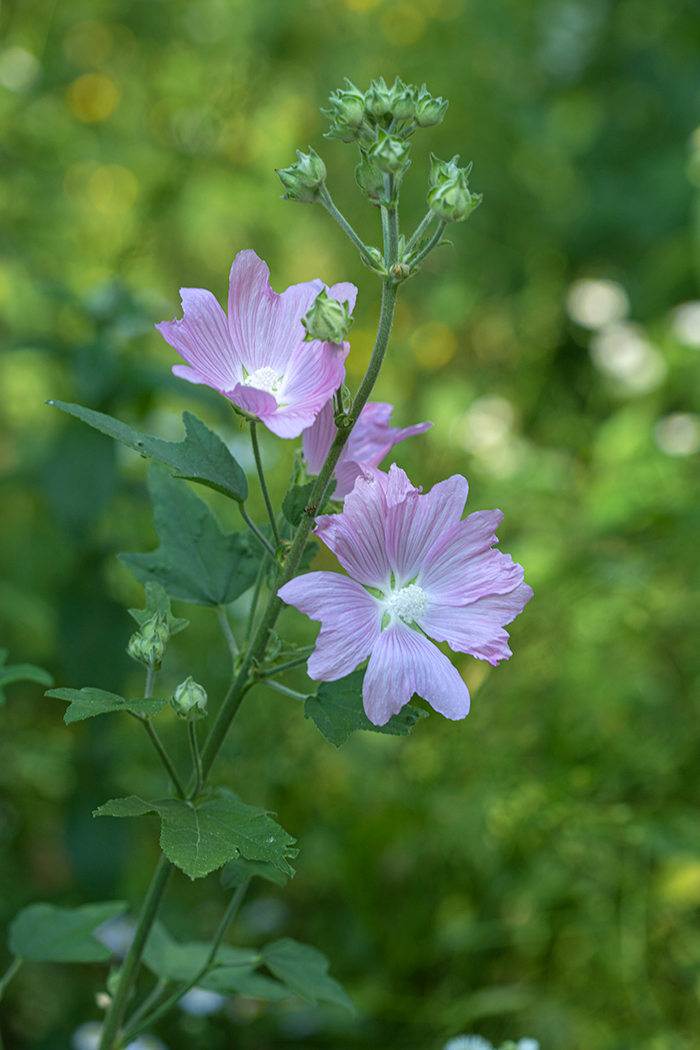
[
  {"x": 195, "y": 562},
  {"x": 89, "y": 702},
  {"x": 201, "y": 456},
  {"x": 240, "y": 870},
  {"x": 158, "y": 604},
  {"x": 20, "y": 673},
  {"x": 305, "y": 970},
  {"x": 337, "y": 711},
  {"x": 199, "y": 839},
  {"x": 45, "y": 933}
]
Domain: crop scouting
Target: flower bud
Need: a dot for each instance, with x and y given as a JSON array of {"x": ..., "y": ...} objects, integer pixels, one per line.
[
  {"x": 378, "y": 265},
  {"x": 303, "y": 180},
  {"x": 378, "y": 99},
  {"x": 369, "y": 178},
  {"x": 327, "y": 320},
  {"x": 348, "y": 106},
  {"x": 429, "y": 110},
  {"x": 451, "y": 200},
  {"x": 148, "y": 644},
  {"x": 389, "y": 153},
  {"x": 189, "y": 700},
  {"x": 403, "y": 101}
]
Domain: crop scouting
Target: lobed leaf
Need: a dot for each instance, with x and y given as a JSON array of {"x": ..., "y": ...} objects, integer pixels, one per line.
[
  {"x": 245, "y": 982},
  {"x": 201, "y": 456},
  {"x": 337, "y": 711},
  {"x": 173, "y": 961},
  {"x": 158, "y": 604},
  {"x": 305, "y": 970},
  {"x": 89, "y": 702},
  {"x": 240, "y": 870},
  {"x": 45, "y": 933}
]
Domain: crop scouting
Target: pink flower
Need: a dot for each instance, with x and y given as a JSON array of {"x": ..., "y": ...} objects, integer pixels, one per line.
[
  {"x": 416, "y": 571},
  {"x": 371, "y": 439},
  {"x": 257, "y": 357}
]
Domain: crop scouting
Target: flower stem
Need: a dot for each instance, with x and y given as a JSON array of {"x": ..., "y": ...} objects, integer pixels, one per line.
[
  {"x": 164, "y": 1008},
  {"x": 255, "y": 530},
  {"x": 151, "y": 1001},
  {"x": 420, "y": 231},
  {"x": 286, "y": 690},
  {"x": 164, "y": 756},
  {"x": 326, "y": 201},
  {"x": 226, "y": 628},
  {"x": 432, "y": 243},
  {"x": 254, "y": 600},
  {"x": 263, "y": 484},
  {"x": 196, "y": 760},
  {"x": 288, "y": 666},
  {"x": 9, "y": 974},
  {"x": 132, "y": 962}
]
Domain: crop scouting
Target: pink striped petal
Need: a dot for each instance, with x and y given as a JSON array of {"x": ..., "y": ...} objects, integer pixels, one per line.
[
  {"x": 357, "y": 535},
  {"x": 202, "y": 339},
  {"x": 460, "y": 567},
  {"x": 258, "y": 403},
  {"x": 414, "y": 522},
  {"x": 318, "y": 438},
  {"x": 351, "y": 620},
  {"x": 344, "y": 292},
  {"x": 313, "y": 373},
  {"x": 477, "y": 628},
  {"x": 404, "y": 662}
]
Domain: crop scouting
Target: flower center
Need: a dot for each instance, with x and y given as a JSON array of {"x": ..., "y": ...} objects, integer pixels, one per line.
[
  {"x": 409, "y": 603},
  {"x": 263, "y": 379}
]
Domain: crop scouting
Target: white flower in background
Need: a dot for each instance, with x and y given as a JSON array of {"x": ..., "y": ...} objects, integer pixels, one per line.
[
  {"x": 624, "y": 353},
  {"x": 487, "y": 431},
  {"x": 596, "y": 304},
  {"x": 19, "y": 69},
  {"x": 685, "y": 322},
  {"x": 117, "y": 934},
  {"x": 468, "y": 1042},
  {"x": 200, "y": 1002},
  {"x": 88, "y": 1035},
  {"x": 678, "y": 434}
]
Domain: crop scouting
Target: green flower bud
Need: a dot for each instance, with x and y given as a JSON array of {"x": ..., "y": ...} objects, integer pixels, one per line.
[
  {"x": 369, "y": 178},
  {"x": 327, "y": 320},
  {"x": 451, "y": 200},
  {"x": 303, "y": 180},
  {"x": 189, "y": 700},
  {"x": 403, "y": 101},
  {"x": 443, "y": 170},
  {"x": 348, "y": 106},
  {"x": 148, "y": 644},
  {"x": 341, "y": 131},
  {"x": 389, "y": 153},
  {"x": 378, "y": 99},
  {"x": 429, "y": 110}
]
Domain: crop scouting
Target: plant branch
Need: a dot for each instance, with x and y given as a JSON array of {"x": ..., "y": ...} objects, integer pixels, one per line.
[
  {"x": 263, "y": 484},
  {"x": 226, "y": 628},
  {"x": 163, "y": 755},
  {"x": 432, "y": 243},
  {"x": 196, "y": 760},
  {"x": 420, "y": 231},
  {"x": 149, "y": 1003},
  {"x": 256, "y": 531},
  {"x": 326, "y": 201},
  {"x": 286, "y": 690},
  {"x": 254, "y": 600},
  {"x": 288, "y": 666}
]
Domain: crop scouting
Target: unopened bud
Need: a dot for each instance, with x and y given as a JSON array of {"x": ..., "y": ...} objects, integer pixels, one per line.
[
  {"x": 377, "y": 265},
  {"x": 451, "y": 200},
  {"x": 189, "y": 700},
  {"x": 403, "y": 101},
  {"x": 348, "y": 106},
  {"x": 327, "y": 319},
  {"x": 369, "y": 178},
  {"x": 429, "y": 110},
  {"x": 378, "y": 99},
  {"x": 389, "y": 153},
  {"x": 148, "y": 644},
  {"x": 303, "y": 180}
]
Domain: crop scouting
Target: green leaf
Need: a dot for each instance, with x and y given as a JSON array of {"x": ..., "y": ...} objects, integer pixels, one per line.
[
  {"x": 88, "y": 702},
  {"x": 45, "y": 933},
  {"x": 195, "y": 562},
  {"x": 240, "y": 870},
  {"x": 336, "y": 710},
  {"x": 245, "y": 982},
  {"x": 158, "y": 604},
  {"x": 305, "y": 969},
  {"x": 20, "y": 673},
  {"x": 171, "y": 961},
  {"x": 201, "y": 456},
  {"x": 297, "y": 498},
  {"x": 200, "y": 839}
]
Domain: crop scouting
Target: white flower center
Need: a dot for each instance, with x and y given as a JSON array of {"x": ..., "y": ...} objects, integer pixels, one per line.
[
  {"x": 264, "y": 379},
  {"x": 409, "y": 603}
]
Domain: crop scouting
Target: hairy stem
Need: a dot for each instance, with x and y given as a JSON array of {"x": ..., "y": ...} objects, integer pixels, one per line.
[
  {"x": 263, "y": 484},
  {"x": 432, "y": 243},
  {"x": 325, "y": 199},
  {"x": 132, "y": 962},
  {"x": 420, "y": 231},
  {"x": 255, "y": 530}
]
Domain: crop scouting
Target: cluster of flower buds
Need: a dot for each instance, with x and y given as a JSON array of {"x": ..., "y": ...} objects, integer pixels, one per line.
[
  {"x": 304, "y": 180},
  {"x": 449, "y": 195},
  {"x": 327, "y": 319},
  {"x": 357, "y": 117},
  {"x": 189, "y": 700},
  {"x": 148, "y": 644}
]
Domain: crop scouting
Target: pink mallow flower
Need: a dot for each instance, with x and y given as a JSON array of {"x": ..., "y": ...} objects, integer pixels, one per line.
[
  {"x": 257, "y": 356},
  {"x": 416, "y": 571},
  {"x": 371, "y": 439}
]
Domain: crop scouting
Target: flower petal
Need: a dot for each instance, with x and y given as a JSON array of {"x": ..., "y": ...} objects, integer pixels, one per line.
[
  {"x": 314, "y": 371},
  {"x": 351, "y": 620},
  {"x": 258, "y": 403},
  {"x": 265, "y": 327},
  {"x": 477, "y": 628},
  {"x": 357, "y": 535},
  {"x": 344, "y": 292},
  {"x": 460, "y": 566},
  {"x": 318, "y": 438},
  {"x": 404, "y": 662},
  {"x": 372, "y": 437},
  {"x": 414, "y": 522},
  {"x": 202, "y": 339}
]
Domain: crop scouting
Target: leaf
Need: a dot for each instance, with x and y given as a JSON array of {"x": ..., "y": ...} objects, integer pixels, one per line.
[
  {"x": 297, "y": 499},
  {"x": 336, "y": 710},
  {"x": 245, "y": 982},
  {"x": 240, "y": 870},
  {"x": 45, "y": 933},
  {"x": 20, "y": 673},
  {"x": 172, "y": 961},
  {"x": 158, "y": 604},
  {"x": 200, "y": 839},
  {"x": 305, "y": 969},
  {"x": 201, "y": 456},
  {"x": 88, "y": 702},
  {"x": 195, "y": 562}
]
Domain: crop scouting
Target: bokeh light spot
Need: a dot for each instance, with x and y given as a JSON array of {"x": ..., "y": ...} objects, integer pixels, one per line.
[
  {"x": 433, "y": 344},
  {"x": 685, "y": 322},
  {"x": 93, "y": 97},
  {"x": 623, "y": 352},
  {"x": 88, "y": 44},
  {"x": 403, "y": 24},
  {"x": 596, "y": 304},
  {"x": 19, "y": 69},
  {"x": 112, "y": 189},
  {"x": 678, "y": 434}
]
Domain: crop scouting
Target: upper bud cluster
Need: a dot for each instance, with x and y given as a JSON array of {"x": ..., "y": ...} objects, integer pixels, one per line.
[
  {"x": 148, "y": 644},
  {"x": 449, "y": 195},
  {"x": 304, "y": 180},
  {"x": 357, "y": 117}
]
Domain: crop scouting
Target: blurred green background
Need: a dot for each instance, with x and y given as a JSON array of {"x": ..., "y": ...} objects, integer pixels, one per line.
[{"x": 534, "y": 870}]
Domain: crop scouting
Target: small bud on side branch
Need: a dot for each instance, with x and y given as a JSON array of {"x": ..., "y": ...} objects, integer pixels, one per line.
[{"x": 327, "y": 320}]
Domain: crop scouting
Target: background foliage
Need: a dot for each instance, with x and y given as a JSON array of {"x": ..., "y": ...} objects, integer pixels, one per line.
[{"x": 534, "y": 870}]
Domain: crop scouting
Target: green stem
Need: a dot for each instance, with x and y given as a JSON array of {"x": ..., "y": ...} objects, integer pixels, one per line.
[
  {"x": 286, "y": 690},
  {"x": 256, "y": 531},
  {"x": 164, "y": 756},
  {"x": 226, "y": 628},
  {"x": 288, "y": 666},
  {"x": 254, "y": 600},
  {"x": 263, "y": 484},
  {"x": 432, "y": 243},
  {"x": 131, "y": 1032},
  {"x": 148, "y": 1004},
  {"x": 132, "y": 962},
  {"x": 325, "y": 199},
  {"x": 9, "y": 974},
  {"x": 196, "y": 760},
  {"x": 150, "y": 679},
  {"x": 420, "y": 231}
]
